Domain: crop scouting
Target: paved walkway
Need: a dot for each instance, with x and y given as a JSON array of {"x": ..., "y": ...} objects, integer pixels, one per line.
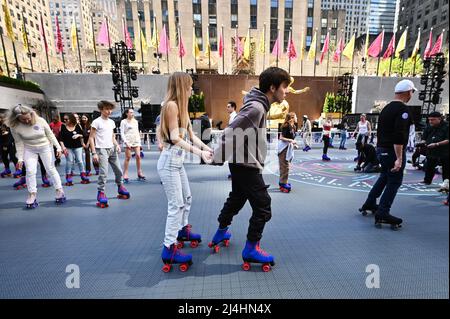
[{"x": 321, "y": 243}]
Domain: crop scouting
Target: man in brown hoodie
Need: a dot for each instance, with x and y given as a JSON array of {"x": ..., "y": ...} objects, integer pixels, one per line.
[{"x": 244, "y": 146}]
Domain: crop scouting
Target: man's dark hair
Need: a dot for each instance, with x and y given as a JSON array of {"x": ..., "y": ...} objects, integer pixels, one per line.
[
  {"x": 273, "y": 76},
  {"x": 105, "y": 105},
  {"x": 435, "y": 114},
  {"x": 233, "y": 104}
]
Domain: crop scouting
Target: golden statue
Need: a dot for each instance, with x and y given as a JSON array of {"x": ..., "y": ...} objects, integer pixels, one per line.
[{"x": 278, "y": 111}]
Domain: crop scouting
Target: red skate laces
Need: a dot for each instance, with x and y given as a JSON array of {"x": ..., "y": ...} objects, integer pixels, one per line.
[{"x": 260, "y": 250}]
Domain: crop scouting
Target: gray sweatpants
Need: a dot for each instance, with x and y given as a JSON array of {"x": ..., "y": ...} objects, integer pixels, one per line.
[{"x": 105, "y": 156}]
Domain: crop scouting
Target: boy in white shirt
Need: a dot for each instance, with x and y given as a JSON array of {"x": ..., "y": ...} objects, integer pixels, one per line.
[{"x": 105, "y": 149}]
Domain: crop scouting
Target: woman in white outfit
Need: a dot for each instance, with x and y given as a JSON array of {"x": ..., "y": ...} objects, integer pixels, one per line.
[
  {"x": 129, "y": 131},
  {"x": 33, "y": 138},
  {"x": 364, "y": 130}
]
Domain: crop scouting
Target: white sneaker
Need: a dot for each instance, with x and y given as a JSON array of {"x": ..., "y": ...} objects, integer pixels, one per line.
[
  {"x": 31, "y": 198},
  {"x": 445, "y": 185}
]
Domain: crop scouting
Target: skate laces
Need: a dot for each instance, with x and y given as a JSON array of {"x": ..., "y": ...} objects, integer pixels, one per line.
[{"x": 260, "y": 250}]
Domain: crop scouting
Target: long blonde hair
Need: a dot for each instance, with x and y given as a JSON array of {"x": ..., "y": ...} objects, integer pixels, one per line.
[
  {"x": 177, "y": 91},
  {"x": 288, "y": 118},
  {"x": 16, "y": 111}
]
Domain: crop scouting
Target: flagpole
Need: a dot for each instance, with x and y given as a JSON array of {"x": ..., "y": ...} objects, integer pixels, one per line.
[
  {"x": 289, "y": 45},
  {"x": 278, "y": 49},
  {"x": 179, "y": 42},
  {"x": 167, "y": 51},
  {"x": 379, "y": 55},
  {"x": 264, "y": 54},
  {"x": 62, "y": 53},
  {"x": 415, "y": 57},
  {"x": 223, "y": 52},
  {"x": 45, "y": 44},
  {"x": 195, "y": 53},
  {"x": 15, "y": 56},
  {"x": 107, "y": 29},
  {"x": 340, "y": 53},
  {"x": 353, "y": 59},
  {"x": 28, "y": 44},
  {"x": 236, "y": 45},
  {"x": 4, "y": 51},
  {"x": 328, "y": 56},
  {"x": 393, "y": 53},
  {"x": 209, "y": 49},
  {"x": 78, "y": 45},
  {"x": 315, "y": 52},
  {"x": 301, "y": 51},
  {"x": 140, "y": 42},
  {"x": 157, "y": 44},
  {"x": 93, "y": 44}
]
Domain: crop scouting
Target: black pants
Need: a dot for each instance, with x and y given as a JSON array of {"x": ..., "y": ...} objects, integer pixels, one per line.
[
  {"x": 430, "y": 168},
  {"x": 9, "y": 155},
  {"x": 361, "y": 138},
  {"x": 326, "y": 143},
  {"x": 247, "y": 184}
]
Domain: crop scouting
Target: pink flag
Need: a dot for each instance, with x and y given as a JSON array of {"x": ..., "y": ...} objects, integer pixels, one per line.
[
  {"x": 221, "y": 46},
  {"x": 376, "y": 46},
  {"x": 426, "y": 53},
  {"x": 126, "y": 34},
  {"x": 390, "y": 49},
  {"x": 181, "y": 50},
  {"x": 276, "y": 48},
  {"x": 103, "y": 36},
  {"x": 59, "y": 44},
  {"x": 291, "y": 52},
  {"x": 239, "y": 49},
  {"x": 437, "y": 48},
  {"x": 44, "y": 39},
  {"x": 339, "y": 49},
  {"x": 164, "y": 45},
  {"x": 326, "y": 46}
]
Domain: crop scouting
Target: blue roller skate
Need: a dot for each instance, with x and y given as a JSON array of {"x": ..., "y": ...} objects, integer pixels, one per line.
[
  {"x": 222, "y": 235},
  {"x": 60, "y": 197},
  {"x": 253, "y": 253},
  {"x": 21, "y": 183},
  {"x": 102, "y": 200},
  {"x": 173, "y": 255},
  {"x": 285, "y": 188},
  {"x": 122, "y": 192},
  {"x": 17, "y": 173},
  {"x": 69, "y": 181},
  {"x": 325, "y": 158},
  {"x": 142, "y": 154},
  {"x": 6, "y": 172},
  {"x": 84, "y": 178},
  {"x": 185, "y": 234},
  {"x": 45, "y": 181},
  {"x": 31, "y": 201}
]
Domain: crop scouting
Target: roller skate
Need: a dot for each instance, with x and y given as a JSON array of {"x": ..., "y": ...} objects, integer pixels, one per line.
[
  {"x": 6, "y": 172},
  {"x": 102, "y": 200},
  {"x": 174, "y": 255},
  {"x": 84, "y": 178},
  {"x": 88, "y": 173},
  {"x": 141, "y": 154},
  {"x": 366, "y": 208},
  {"x": 17, "y": 173},
  {"x": 443, "y": 188},
  {"x": 141, "y": 177},
  {"x": 395, "y": 222},
  {"x": 185, "y": 234},
  {"x": 357, "y": 169},
  {"x": 122, "y": 192},
  {"x": 325, "y": 158},
  {"x": 21, "y": 183},
  {"x": 253, "y": 253},
  {"x": 60, "y": 197},
  {"x": 69, "y": 181},
  {"x": 45, "y": 181},
  {"x": 126, "y": 180},
  {"x": 97, "y": 171},
  {"x": 222, "y": 235},
  {"x": 31, "y": 201},
  {"x": 285, "y": 188},
  {"x": 306, "y": 148}
]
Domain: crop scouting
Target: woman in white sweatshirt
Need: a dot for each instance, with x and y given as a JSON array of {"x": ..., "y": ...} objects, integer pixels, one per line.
[
  {"x": 33, "y": 138},
  {"x": 129, "y": 132}
]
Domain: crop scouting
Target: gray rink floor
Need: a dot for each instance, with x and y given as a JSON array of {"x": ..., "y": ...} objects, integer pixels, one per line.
[{"x": 322, "y": 245}]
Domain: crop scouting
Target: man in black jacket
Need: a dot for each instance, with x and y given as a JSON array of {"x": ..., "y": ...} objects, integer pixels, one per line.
[
  {"x": 244, "y": 146},
  {"x": 367, "y": 161}
]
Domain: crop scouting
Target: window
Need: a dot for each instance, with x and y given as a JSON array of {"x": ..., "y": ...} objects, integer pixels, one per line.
[
  {"x": 427, "y": 10},
  {"x": 212, "y": 11},
  {"x": 254, "y": 14},
  {"x": 434, "y": 20},
  {"x": 197, "y": 13},
  {"x": 444, "y": 15},
  {"x": 165, "y": 14},
  {"x": 287, "y": 20},
  {"x": 273, "y": 22},
  {"x": 324, "y": 22},
  {"x": 234, "y": 13},
  {"x": 436, "y": 4},
  {"x": 425, "y": 25}
]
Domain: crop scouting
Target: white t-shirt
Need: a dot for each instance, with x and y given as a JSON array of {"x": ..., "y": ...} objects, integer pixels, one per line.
[
  {"x": 232, "y": 117},
  {"x": 104, "y": 130}
]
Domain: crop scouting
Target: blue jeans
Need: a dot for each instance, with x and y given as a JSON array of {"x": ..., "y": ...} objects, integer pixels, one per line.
[
  {"x": 176, "y": 186},
  {"x": 74, "y": 156},
  {"x": 388, "y": 183},
  {"x": 343, "y": 138}
]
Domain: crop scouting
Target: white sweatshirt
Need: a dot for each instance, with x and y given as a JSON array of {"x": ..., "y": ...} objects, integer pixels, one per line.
[{"x": 36, "y": 135}]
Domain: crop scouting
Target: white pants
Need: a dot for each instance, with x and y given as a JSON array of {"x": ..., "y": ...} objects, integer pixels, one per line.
[
  {"x": 176, "y": 186},
  {"x": 30, "y": 158}
]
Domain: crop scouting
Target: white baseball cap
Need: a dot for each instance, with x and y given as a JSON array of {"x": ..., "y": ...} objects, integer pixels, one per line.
[{"x": 405, "y": 86}]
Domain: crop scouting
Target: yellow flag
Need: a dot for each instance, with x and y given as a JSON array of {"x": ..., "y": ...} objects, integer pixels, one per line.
[
  {"x": 24, "y": 36},
  {"x": 312, "y": 48},
  {"x": 262, "y": 43},
  {"x": 195, "y": 49},
  {"x": 401, "y": 43},
  {"x": 247, "y": 46},
  {"x": 302, "y": 45},
  {"x": 416, "y": 46},
  {"x": 8, "y": 24},
  {"x": 73, "y": 34},
  {"x": 207, "y": 48},
  {"x": 349, "y": 48},
  {"x": 155, "y": 38},
  {"x": 144, "y": 43}
]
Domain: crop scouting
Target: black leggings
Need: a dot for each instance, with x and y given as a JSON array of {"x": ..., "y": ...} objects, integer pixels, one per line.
[
  {"x": 9, "y": 155},
  {"x": 326, "y": 143}
]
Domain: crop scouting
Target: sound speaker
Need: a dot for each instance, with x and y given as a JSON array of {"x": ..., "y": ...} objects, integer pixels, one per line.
[{"x": 149, "y": 113}]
